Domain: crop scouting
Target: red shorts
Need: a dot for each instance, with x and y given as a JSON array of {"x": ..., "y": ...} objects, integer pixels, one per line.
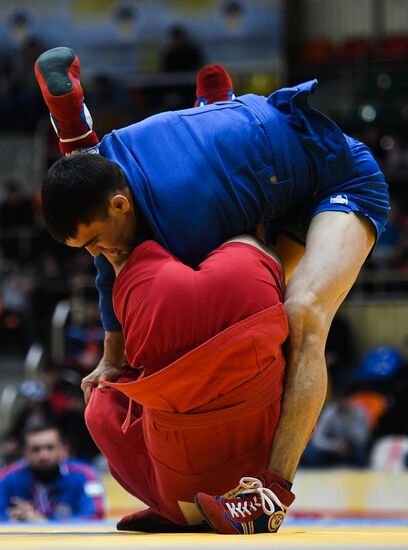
[{"x": 210, "y": 342}]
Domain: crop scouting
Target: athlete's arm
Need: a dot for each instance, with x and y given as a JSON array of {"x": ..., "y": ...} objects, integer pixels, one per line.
[{"x": 110, "y": 365}]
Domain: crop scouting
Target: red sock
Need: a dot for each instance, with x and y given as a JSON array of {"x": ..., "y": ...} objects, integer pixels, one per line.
[
  {"x": 280, "y": 486},
  {"x": 213, "y": 84}
]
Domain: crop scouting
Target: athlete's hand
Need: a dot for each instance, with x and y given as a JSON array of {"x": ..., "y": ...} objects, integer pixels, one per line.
[
  {"x": 110, "y": 366},
  {"x": 104, "y": 371}
]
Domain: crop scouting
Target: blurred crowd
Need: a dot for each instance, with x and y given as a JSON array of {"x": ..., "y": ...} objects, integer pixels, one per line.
[
  {"x": 37, "y": 274},
  {"x": 364, "y": 421}
]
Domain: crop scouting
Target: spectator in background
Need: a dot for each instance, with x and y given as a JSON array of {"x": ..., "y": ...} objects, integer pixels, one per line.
[
  {"x": 181, "y": 54},
  {"x": 109, "y": 100},
  {"x": 57, "y": 400},
  {"x": 27, "y": 104},
  {"x": 125, "y": 17},
  {"x": 84, "y": 339},
  {"x": 71, "y": 413},
  {"x": 16, "y": 215},
  {"x": 34, "y": 409},
  {"x": 15, "y": 309},
  {"x": 20, "y": 23},
  {"x": 394, "y": 381},
  {"x": 234, "y": 13},
  {"x": 388, "y": 252},
  {"x": 341, "y": 436},
  {"x": 48, "y": 486},
  {"x": 402, "y": 252},
  {"x": 10, "y": 449},
  {"x": 8, "y": 90},
  {"x": 378, "y": 389},
  {"x": 390, "y": 453},
  {"x": 339, "y": 353}
]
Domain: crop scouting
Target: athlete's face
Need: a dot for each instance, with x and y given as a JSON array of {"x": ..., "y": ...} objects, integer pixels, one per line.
[{"x": 114, "y": 235}]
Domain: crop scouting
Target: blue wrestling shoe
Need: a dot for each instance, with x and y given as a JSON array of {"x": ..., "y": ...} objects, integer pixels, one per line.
[{"x": 255, "y": 506}]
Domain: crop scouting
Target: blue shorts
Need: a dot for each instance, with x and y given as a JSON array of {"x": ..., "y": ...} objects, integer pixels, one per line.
[
  {"x": 343, "y": 174},
  {"x": 204, "y": 175},
  {"x": 332, "y": 171},
  {"x": 364, "y": 192}
]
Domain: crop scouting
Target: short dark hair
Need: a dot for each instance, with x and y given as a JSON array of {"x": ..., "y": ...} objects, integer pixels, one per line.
[
  {"x": 75, "y": 191},
  {"x": 39, "y": 428}
]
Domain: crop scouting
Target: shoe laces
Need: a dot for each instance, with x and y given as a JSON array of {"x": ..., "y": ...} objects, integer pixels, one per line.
[{"x": 263, "y": 498}]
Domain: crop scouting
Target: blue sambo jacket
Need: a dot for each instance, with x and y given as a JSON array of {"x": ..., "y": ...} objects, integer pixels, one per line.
[{"x": 205, "y": 174}]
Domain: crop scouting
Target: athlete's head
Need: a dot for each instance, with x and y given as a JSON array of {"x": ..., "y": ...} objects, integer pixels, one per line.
[{"x": 87, "y": 203}]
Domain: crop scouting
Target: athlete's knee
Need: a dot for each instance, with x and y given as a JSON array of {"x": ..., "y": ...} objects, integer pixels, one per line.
[{"x": 308, "y": 313}]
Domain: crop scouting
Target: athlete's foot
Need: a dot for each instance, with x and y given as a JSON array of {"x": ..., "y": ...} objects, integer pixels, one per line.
[
  {"x": 148, "y": 521},
  {"x": 213, "y": 84},
  {"x": 257, "y": 505},
  {"x": 57, "y": 72}
]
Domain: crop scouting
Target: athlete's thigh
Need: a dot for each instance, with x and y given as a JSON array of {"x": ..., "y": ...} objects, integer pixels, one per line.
[
  {"x": 286, "y": 249},
  {"x": 337, "y": 245},
  {"x": 289, "y": 252}
]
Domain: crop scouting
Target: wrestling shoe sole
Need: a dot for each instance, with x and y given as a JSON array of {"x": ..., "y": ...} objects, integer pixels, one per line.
[{"x": 54, "y": 66}]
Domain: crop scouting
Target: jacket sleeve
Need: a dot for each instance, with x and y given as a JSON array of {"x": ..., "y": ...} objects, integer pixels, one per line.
[{"x": 104, "y": 283}]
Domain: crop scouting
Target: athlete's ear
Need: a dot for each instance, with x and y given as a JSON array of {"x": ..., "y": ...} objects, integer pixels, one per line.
[{"x": 119, "y": 204}]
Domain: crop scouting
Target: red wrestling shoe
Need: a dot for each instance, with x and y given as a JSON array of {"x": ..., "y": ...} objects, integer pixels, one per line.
[
  {"x": 213, "y": 84},
  {"x": 148, "y": 521},
  {"x": 255, "y": 506},
  {"x": 57, "y": 73}
]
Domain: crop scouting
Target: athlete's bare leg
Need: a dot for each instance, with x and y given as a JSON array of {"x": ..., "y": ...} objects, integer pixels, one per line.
[
  {"x": 289, "y": 252},
  {"x": 336, "y": 246}
]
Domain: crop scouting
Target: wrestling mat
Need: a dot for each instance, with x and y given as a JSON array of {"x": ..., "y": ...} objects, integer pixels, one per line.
[{"x": 301, "y": 534}]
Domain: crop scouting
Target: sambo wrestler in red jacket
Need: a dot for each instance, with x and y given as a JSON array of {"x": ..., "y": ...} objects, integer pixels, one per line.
[{"x": 199, "y": 406}]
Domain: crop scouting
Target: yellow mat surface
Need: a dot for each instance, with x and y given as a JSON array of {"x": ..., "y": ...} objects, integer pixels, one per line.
[{"x": 104, "y": 536}]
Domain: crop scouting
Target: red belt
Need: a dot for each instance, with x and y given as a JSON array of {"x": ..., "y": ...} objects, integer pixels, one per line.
[{"x": 250, "y": 397}]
